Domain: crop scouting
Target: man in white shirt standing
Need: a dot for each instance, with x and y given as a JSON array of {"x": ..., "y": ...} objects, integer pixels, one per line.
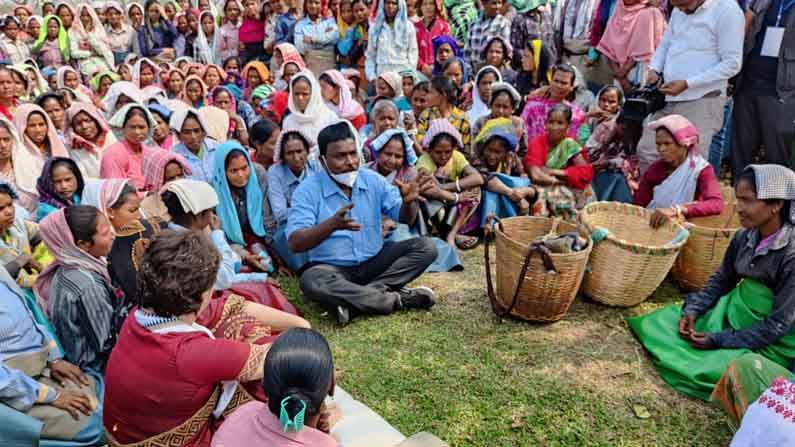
[{"x": 701, "y": 49}]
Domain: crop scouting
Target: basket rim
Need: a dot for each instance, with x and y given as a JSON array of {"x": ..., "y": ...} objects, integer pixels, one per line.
[
  {"x": 587, "y": 249},
  {"x": 710, "y": 231},
  {"x": 656, "y": 250}
]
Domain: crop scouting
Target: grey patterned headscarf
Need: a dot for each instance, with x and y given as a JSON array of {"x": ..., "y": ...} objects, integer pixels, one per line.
[{"x": 775, "y": 182}]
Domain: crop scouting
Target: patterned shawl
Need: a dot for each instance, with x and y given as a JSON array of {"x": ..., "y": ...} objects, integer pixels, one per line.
[
  {"x": 154, "y": 167},
  {"x": 409, "y": 158},
  {"x": 401, "y": 24},
  {"x": 105, "y": 138}
]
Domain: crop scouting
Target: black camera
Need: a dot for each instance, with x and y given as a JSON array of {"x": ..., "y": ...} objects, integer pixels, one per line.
[{"x": 642, "y": 102}]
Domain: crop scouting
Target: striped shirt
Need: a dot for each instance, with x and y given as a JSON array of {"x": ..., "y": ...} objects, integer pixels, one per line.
[
  {"x": 86, "y": 316},
  {"x": 480, "y": 33}
]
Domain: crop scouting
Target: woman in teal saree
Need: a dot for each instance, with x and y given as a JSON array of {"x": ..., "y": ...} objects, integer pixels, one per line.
[{"x": 747, "y": 306}]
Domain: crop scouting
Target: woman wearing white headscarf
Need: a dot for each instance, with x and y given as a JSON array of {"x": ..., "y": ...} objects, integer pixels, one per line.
[
  {"x": 64, "y": 81},
  {"x": 207, "y": 39},
  {"x": 481, "y": 92},
  {"x": 307, "y": 109},
  {"x": 392, "y": 44},
  {"x": 119, "y": 94},
  {"x": 12, "y": 43},
  {"x": 89, "y": 43},
  {"x": 24, "y": 168},
  {"x": 121, "y": 36}
]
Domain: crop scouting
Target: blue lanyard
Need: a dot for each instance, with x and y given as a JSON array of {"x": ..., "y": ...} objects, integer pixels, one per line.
[{"x": 782, "y": 9}]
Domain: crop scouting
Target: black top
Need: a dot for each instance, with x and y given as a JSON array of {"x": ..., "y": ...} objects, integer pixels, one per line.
[
  {"x": 121, "y": 266},
  {"x": 761, "y": 71}
]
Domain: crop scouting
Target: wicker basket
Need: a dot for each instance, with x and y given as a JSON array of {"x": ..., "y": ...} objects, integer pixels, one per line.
[
  {"x": 526, "y": 289},
  {"x": 703, "y": 253},
  {"x": 633, "y": 259}
]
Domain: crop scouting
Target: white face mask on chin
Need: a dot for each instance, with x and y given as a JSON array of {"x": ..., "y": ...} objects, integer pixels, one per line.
[{"x": 346, "y": 178}]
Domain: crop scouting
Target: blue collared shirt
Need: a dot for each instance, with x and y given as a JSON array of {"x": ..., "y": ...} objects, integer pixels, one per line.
[
  {"x": 318, "y": 198},
  {"x": 324, "y": 34},
  {"x": 20, "y": 334},
  {"x": 202, "y": 167},
  {"x": 282, "y": 184}
]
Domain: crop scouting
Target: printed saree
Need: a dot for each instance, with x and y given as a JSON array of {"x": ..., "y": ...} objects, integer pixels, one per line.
[
  {"x": 562, "y": 200},
  {"x": 743, "y": 382}
]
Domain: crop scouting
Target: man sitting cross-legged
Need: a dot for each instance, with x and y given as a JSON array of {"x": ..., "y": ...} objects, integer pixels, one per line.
[{"x": 336, "y": 217}]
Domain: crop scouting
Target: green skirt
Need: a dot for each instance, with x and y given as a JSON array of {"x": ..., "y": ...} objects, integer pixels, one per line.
[{"x": 695, "y": 371}]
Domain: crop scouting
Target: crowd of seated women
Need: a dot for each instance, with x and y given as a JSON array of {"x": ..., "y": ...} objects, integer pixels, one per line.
[{"x": 355, "y": 217}]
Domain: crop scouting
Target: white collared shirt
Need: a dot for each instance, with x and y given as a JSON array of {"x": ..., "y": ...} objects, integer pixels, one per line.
[{"x": 704, "y": 48}]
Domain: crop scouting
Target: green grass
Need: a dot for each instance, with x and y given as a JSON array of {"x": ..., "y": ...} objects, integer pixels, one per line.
[{"x": 475, "y": 380}]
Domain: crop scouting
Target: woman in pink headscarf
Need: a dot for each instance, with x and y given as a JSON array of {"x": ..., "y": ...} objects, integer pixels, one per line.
[
  {"x": 283, "y": 54},
  {"x": 161, "y": 167},
  {"x": 336, "y": 91},
  {"x": 633, "y": 33},
  {"x": 88, "y": 135},
  {"x": 39, "y": 140},
  {"x": 680, "y": 183},
  {"x": 75, "y": 288},
  {"x": 125, "y": 158}
]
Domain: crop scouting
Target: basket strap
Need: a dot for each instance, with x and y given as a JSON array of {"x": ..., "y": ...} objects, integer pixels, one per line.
[
  {"x": 491, "y": 222},
  {"x": 533, "y": 247},
  {"x": 543, "y": 252}
]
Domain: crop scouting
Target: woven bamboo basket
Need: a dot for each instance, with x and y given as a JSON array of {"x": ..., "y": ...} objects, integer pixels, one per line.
[
  {"x": 633, "y": 259},
  {"x": 539, "y": 294},
  {"x": 703, "y": 253}
]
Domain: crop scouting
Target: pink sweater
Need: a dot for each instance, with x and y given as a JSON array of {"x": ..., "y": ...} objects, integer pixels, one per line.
[
  {"x": 251, "y": 31},
  {"x": 120, "y": 161},
  {"x": 708, "y": 200}
]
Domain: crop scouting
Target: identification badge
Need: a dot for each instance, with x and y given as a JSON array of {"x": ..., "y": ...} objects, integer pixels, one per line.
[{"x": 771, "y": 46}]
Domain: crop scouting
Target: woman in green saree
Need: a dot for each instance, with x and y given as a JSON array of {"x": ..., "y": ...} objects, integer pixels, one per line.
[
  {"x": 559, "y": 166},
  {"x": 747, "y": 306}
]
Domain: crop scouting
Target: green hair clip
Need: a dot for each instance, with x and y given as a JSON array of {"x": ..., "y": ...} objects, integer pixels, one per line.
[{"x": 297, "y": 423}]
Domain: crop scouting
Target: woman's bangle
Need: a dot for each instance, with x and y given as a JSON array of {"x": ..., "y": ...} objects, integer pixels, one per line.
[
  {"x": 456, "y": 197},
  {"x": 458, "y": 185}
]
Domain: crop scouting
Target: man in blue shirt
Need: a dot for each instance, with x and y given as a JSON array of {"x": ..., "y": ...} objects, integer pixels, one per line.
[{"x": 336, "y": 218}]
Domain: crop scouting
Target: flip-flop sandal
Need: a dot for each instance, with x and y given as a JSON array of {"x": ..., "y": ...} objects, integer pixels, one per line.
[{"x": 466, "y": 242}]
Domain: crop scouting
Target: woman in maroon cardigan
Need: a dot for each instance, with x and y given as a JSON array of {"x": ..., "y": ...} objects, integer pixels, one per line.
[{"x": 680, "y": 183}]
